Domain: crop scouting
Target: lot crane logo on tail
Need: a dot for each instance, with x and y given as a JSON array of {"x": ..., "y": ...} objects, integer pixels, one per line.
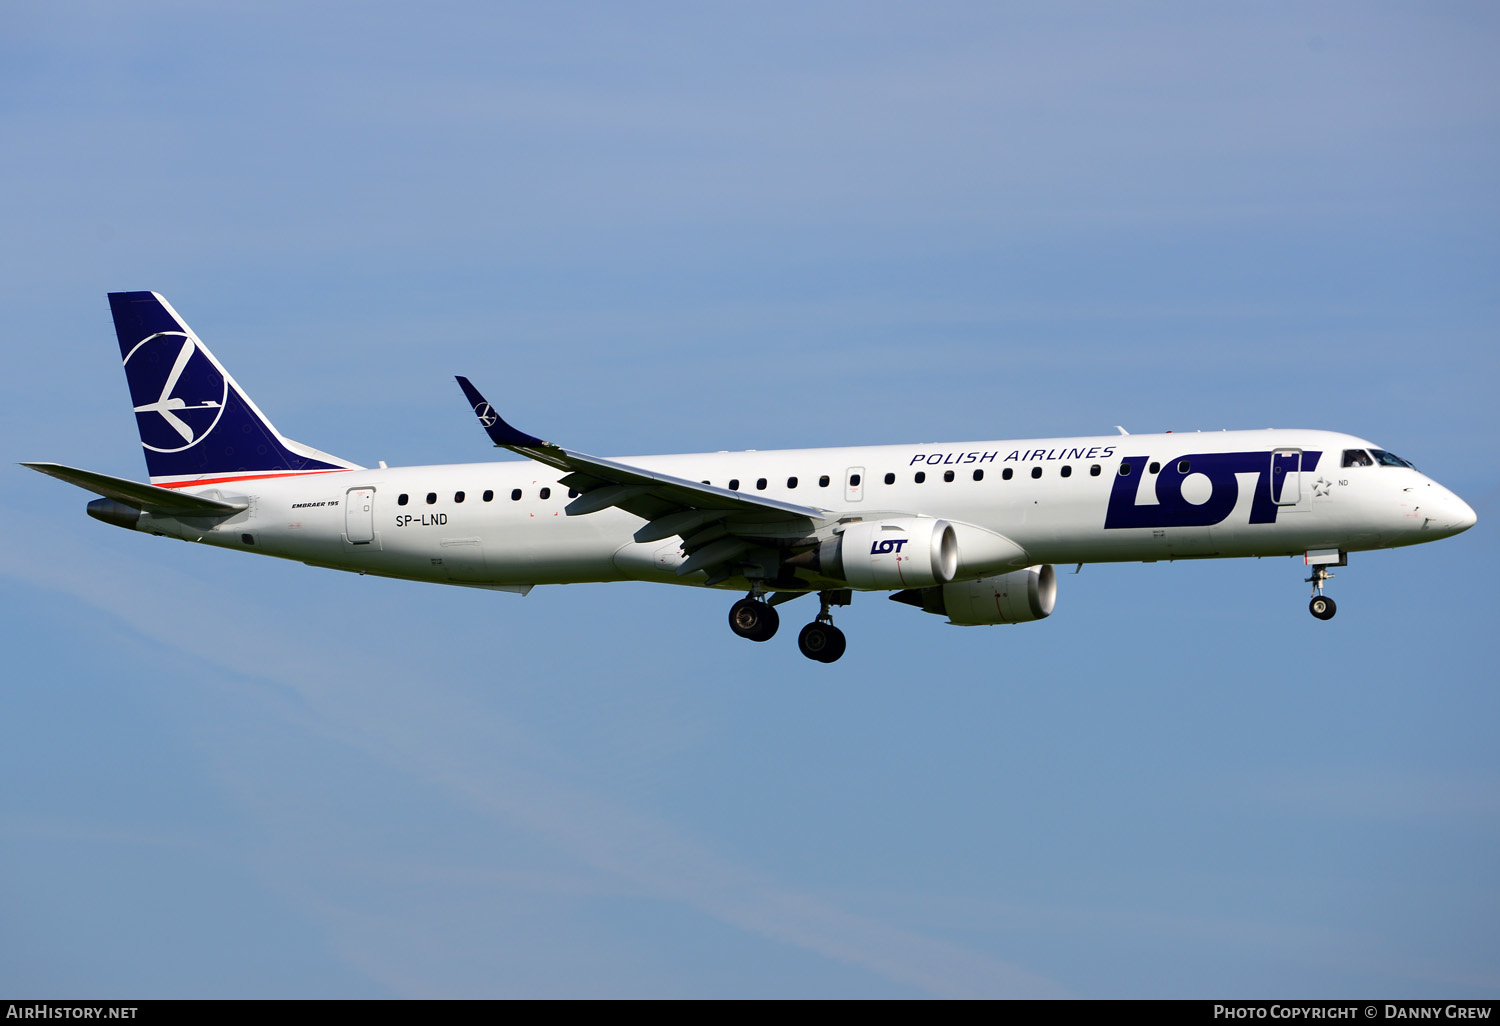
[{"x": 177, "y": 391}]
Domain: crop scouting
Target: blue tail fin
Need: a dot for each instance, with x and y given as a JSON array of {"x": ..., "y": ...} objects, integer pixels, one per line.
[{"x": 194, "y": 420}]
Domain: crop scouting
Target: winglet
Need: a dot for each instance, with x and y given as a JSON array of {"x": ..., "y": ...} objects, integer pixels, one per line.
[{"x": 502, "y": 434}]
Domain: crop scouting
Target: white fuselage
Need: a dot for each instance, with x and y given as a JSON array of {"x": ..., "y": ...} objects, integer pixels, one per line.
[{"x": 1195, "y": 495}]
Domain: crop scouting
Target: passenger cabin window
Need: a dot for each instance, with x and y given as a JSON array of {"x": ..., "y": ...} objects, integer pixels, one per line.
[
  {"x": 489, "y": 495},
  {"x": 458, "y": 496},
  {"x": 947, "y": 475},
  {"x": 920, "y": 476},
  {"x": 1155, "y": 467},
  {"x": 431, "y": 498},
  {"x": 1357, "y": 458},
  {"x": 1007, "y": 474},
  {"x": 515, "y": 495},
  {"x": 1036, "y": 471},
  {"x": 760, "y": 484},
  {"x": 1124, "y": 469},
  {"x": 401, "y": 499},
  {"x": 734, "y": 484},
  {"x": 1183, "y": 466},
  {"x": 791, "y": 482},
  {"x": 546, "y": 493},
  {"x": 854, "y": 480},
  {"x": 979, "y": 475},
  {"x": 1094, "y": 470},
  {"x": 1066, "y": 471},
  {"x": 823, "y": 481},
  {"x": 890, "y": 479},
  {"x": 572, "y": 493}
]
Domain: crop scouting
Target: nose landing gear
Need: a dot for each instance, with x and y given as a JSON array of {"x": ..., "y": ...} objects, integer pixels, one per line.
[{"x": 1321, "y": 605}]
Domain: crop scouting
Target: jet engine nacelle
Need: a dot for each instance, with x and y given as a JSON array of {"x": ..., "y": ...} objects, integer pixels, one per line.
[
  {"x": 1015, "y": 597},
  {"x": 903, "y": 552}
]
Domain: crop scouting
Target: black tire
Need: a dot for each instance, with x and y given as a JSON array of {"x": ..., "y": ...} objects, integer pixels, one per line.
[
  {"x": 836, "y": 649},
  {"x": 1322, "y": 607},
  {"x": 754, "y": 620},
  {"x": 822, "y": 642}
]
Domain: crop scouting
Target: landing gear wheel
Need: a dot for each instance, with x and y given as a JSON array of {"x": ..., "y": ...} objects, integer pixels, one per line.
[
  {"x": 752, "y": 619},
  {"x": 822, "y": 642},
  {"x": 1321, "y": 605}
]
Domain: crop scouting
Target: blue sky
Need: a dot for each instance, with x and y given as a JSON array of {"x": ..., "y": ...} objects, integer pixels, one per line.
[{"x": 665, "y": 228}]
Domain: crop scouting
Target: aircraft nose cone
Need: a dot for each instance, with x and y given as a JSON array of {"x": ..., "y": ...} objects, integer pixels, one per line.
[
  {"x": 1464, "y": 516},
  {"x": 1449, "y": 514}
]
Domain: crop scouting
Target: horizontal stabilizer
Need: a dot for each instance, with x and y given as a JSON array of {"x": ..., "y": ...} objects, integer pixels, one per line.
[{"x": 138, "y": 495}]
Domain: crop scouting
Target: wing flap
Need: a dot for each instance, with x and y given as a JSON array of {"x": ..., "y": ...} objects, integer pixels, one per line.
[
  {"x": 603, "y": 497},
  {"x": 678, "y": 523},
  {"x": 715, "y": 553}
]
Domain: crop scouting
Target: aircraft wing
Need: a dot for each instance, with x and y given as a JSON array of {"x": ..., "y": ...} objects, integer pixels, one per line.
[
  {"x": 145, "y": 497},
  {"x": 717, "y": 526}
]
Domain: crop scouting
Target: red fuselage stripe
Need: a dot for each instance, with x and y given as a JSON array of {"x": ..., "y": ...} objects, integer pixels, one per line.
[{"x": 244, "y": 477}]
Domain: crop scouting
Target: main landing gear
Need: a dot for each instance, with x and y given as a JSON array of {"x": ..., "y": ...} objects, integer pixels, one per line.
[
  {"x": 753, "y": 618},
  {"x": 1321, "y": 605},
  {"x": 821, "y": 640}
]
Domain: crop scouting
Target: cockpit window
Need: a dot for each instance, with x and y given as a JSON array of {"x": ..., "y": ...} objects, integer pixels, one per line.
[
  {"x": 1389, "y": 459},
  {"x": 1357, "y": 458}
]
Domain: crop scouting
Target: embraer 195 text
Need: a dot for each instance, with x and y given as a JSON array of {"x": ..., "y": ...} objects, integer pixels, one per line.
[{"x": 968, "y": 530}]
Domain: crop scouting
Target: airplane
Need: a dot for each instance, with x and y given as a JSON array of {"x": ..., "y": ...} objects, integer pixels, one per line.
[{"x": 970, "y": 530}]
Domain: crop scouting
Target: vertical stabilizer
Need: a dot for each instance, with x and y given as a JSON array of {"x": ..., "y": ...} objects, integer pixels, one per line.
[{"x": 195, "y": 423}]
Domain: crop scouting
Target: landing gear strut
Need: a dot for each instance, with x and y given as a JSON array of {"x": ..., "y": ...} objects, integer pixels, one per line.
[
  {"x": 821, "y": 640},
  {"x": 1321, "y": 605},
  {"x": 751, "y": 618}
]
